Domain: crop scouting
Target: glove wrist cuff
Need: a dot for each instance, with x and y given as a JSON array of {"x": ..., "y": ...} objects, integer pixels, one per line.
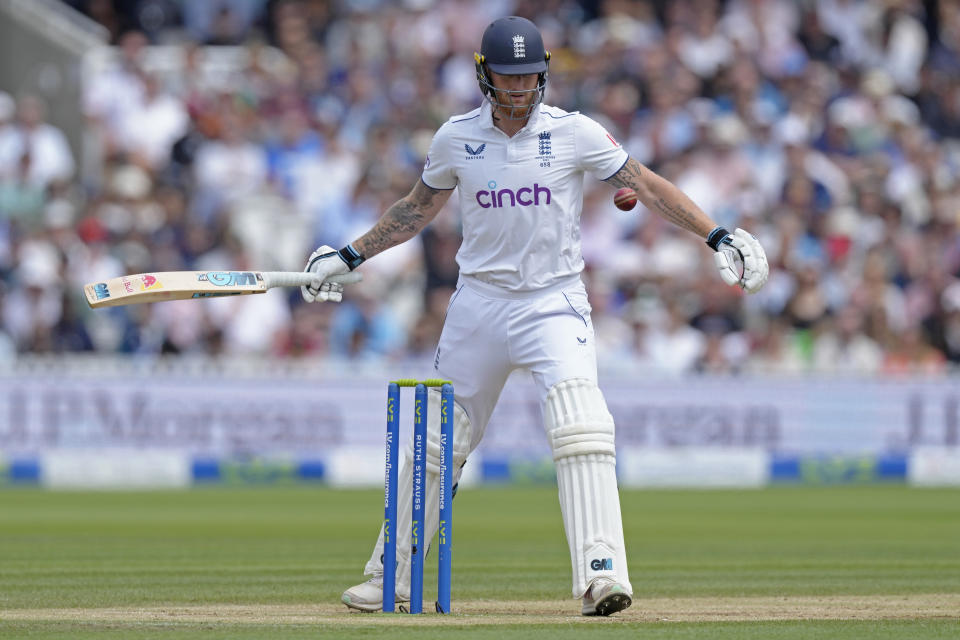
[
  {"x": 351, "y": 256},
  {"x": 716, "y": 237}
]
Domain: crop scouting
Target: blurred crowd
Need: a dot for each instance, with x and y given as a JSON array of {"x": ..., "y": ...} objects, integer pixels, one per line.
[{"x": 828, "y": 128}]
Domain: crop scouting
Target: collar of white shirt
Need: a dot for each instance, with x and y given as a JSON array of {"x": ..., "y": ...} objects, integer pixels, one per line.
[{"x": 486, "y": 115}]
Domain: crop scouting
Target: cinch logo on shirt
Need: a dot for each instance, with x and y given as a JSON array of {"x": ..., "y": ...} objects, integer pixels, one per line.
[{"x": 524, "y": 196}]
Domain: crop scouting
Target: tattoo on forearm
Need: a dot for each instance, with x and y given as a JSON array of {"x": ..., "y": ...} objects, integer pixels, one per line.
[
  {"x": 677, "y": 214},
  {"x": 403, "y": 220},
  {"x": 423, "y": 195},
  {"x": 628, "y": 175},
  {"x": 675, "y": 210}
]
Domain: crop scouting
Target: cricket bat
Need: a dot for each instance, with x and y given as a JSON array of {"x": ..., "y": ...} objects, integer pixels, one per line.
[{"x": 187, "y": 285}]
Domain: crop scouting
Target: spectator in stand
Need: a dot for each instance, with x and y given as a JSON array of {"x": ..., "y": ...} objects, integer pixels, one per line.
[
  {"x": 34, "y": 148},
  {"x": 8, "y": 110},
  {"x": 841, "y": 347},
  {"x": 114, "y": 91},
  {"x": 675, "y": 346},
  {"x": 295, "y": 145},
  {"x": 230, "y": 166},
  {"x": 944, "y": 324},
  {"x": 149, "y": 130}
]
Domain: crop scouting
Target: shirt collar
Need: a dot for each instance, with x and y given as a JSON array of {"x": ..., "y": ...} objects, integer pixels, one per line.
[{"x": 486, "y": 116}]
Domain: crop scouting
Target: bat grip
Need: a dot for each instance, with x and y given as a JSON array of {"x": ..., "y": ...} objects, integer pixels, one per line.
[{"x": 302, "y": 279}]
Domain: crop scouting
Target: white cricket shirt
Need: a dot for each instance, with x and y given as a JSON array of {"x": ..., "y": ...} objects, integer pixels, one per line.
[{"x": 521, "y": 197}]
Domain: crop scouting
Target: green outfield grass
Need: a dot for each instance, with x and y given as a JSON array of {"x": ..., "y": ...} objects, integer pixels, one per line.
[{"x": 271, "y": 563}]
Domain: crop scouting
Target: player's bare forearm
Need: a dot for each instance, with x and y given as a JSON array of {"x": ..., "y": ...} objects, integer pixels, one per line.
[
  {"x": 403, "y": 220},
  {"x": 663, "y": 197}
]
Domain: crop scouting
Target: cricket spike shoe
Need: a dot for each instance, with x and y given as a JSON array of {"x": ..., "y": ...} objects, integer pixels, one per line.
[
  {"x": 368, "y": 596},
  {"x": 605, "y": 597}
]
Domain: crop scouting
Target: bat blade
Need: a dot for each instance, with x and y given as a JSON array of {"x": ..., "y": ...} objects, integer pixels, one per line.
[
  {"x": 191, "y": 285},
  {"x": 172, "y": 285}
]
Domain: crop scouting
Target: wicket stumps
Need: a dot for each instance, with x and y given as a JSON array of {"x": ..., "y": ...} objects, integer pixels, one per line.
[{"x": 417, "y": 526}]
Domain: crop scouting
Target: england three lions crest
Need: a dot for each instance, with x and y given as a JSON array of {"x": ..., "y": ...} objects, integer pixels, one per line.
[{"x": 544, "y": 146}]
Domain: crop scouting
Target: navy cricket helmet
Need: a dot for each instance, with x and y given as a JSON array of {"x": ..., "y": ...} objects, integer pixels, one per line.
[{"x": 512, "y": 46}]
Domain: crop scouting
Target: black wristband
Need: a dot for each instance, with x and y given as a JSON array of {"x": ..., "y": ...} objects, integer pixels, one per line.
[
  {"x": 351, "y": 256},
  {"x": 717, "y": 237}
]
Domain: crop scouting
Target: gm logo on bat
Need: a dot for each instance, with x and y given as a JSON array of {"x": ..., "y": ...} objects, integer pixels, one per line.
[
  {"x": 228, "y": 278},
  {"x": 101, "y": 290}
]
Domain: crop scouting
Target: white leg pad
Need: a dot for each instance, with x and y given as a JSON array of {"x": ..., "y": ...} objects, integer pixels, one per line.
[
  {"x": 461, "y": 448},
  {"x": 581, "y": 432},
  {"x": 577, "y": 420}
]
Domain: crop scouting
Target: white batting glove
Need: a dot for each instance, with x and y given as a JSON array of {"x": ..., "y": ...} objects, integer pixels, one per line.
[
  {"x": 739, "y": 258},
  {"x": 323, "y": 263}
]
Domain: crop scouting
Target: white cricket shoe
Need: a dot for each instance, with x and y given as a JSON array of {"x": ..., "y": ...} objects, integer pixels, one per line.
[
  {"x": 604, "y": 597},
  {"x": 368, "y": 596}
]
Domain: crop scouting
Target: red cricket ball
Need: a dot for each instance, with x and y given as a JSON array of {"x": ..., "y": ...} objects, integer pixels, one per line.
[{"x": 625, "y": 198}]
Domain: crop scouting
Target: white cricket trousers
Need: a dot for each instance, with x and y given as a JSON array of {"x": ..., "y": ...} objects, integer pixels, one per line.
[{"x": 487, "y": 334}]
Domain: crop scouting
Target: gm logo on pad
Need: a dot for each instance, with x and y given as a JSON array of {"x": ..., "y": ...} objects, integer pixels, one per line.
[{"x": 602, "y": 564}]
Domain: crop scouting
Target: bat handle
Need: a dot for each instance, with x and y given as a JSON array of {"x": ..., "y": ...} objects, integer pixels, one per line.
[{"x": 302, "y": 279}]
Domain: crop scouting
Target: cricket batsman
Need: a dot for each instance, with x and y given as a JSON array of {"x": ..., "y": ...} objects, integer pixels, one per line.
[{"x": 519, "y": 165}]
